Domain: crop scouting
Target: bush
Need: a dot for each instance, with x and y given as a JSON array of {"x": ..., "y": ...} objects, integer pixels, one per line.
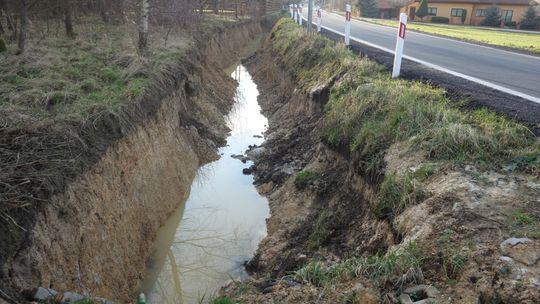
[
  {"x": 493, "y": 18},
  {"x": 510, "y": 23},
  {"x": 530, "y": 21},
  {"x": 438, "y": 19}
]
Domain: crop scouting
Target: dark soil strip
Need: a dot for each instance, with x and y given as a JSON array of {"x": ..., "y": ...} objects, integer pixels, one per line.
[{"x": 478, "y": 96}]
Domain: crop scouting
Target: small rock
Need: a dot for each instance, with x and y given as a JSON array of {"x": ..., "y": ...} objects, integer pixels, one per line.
[
  {"x": 514, "y": 241},
  {"x": 268, "y": 289},
  {"x": 405, "y": 299},
  {"x": 255, "y": 153},
  {"x": 431, "y": 293},
  {"x": 70, "y": 297},
  {"x": 43, "y": 294},
  {"x": 523, "y": 250}
]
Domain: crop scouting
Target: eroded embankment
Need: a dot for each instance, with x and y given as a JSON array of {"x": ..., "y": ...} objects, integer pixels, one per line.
[
  {"x": 95, "y": 237},
  {"x": 376, "y": 185}
]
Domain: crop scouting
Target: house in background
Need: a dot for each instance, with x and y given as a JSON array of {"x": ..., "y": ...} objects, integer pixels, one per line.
[{"x": 474, "y": 10}]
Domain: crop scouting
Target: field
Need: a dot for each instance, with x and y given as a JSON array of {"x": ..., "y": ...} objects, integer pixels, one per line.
[{"x": 528, "y": 42}]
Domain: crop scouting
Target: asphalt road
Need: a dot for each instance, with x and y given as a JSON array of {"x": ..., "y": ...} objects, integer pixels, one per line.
[{"x": 514, "y": 71}]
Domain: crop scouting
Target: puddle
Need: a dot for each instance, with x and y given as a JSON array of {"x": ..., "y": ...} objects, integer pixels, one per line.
[{"x": 205, "y": 242}]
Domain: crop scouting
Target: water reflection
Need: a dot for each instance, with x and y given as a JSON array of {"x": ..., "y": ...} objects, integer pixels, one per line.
[{"x": 205, "y": 245}]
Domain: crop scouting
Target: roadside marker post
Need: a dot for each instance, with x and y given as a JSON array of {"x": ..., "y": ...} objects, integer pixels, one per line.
[
  {"x": 295, "y": 12},
  {"x": 318, "y": 19},
  {"x": 300, "y": 14},
  {"x": 291, "y": 11},
  {"x": 347, "y": 24},
  {"x": 399, "y": 44}
]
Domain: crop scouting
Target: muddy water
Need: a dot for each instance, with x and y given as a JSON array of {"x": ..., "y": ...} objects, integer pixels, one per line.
[{"x": 205, "y": 242}]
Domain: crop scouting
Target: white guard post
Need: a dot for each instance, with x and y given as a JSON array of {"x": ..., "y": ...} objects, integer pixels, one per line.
[
  {"x": 291, "y": 11},
  {"x": 300, "y": 14},
  {"x": 295, "y": 12},
  {"x": 399, "y": 44},
  {"x": 347, "y": 24},
  {"x": 319, "y": 17}
]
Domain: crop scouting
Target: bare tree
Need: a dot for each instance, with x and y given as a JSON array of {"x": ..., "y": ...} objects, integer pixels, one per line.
[
  {"x": 68, "y": 22},
  {"x": 24, "y": 24},
  {"x": 143, "y": 27},
  {"x": 103, "y": 10}
]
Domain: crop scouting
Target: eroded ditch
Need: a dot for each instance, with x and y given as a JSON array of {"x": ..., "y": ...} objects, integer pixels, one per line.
[{"x": 206, "y": 242}]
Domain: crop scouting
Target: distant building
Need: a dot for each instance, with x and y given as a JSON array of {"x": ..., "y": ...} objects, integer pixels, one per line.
[{"x": 474, "y": 10}]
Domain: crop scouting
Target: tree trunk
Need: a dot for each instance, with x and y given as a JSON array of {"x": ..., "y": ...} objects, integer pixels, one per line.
[
  {"x": 24, "y": 25},
  {"x": 67, "y": 19},
  {"x": 216, "y": 7},
  {"x": 2, "y": 32},
  {"x": 143, "y": 28},
  {"x": 103, "y": 10}
]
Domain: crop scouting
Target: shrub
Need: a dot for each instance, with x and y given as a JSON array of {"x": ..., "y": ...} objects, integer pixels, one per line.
[
  {"x": 510, "y": 23},
  {"x": 493, "y": 18},
  {"x": 529, "y": 22},
  {"x": 422, "y": 9},
  {"x": 439, "y": 19}
]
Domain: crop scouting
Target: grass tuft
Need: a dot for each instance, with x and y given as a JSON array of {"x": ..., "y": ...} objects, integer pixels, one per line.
[
  {"x": 305, "y": 178},
  {"x": 381, "y": 270}
]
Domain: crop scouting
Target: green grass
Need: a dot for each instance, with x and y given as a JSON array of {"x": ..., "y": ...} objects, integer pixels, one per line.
[
  {"x": 368, "y": 111},
  {"x": 381, "y": 270},
  {"x": 320, "y": 229},
  {"x": 222, "y": 300},
  {"x": 529, "y": 42},
  {"x": 305, "y": 178},
  {"x": 396, "y": 193},
  {"x": 523, "y": 224}
]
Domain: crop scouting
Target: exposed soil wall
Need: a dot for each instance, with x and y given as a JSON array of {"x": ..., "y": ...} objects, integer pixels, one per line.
[{"x": 96, "y": 237}]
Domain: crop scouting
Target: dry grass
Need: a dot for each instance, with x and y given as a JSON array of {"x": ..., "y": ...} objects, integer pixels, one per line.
[{"x": 64, "y": 101}]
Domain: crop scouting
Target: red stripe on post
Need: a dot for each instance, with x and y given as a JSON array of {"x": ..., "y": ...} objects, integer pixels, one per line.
[
  {"x": 402, "y": 28},
  {"x": 348, "y": 16}
]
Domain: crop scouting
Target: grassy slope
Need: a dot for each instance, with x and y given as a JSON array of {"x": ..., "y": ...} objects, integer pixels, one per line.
[
  {"x": 523, "y": 41},
  {"x": 368, "y": 112},
  {"x": 73, "y": 79}
]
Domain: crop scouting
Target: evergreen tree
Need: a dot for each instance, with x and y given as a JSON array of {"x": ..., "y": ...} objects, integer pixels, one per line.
[
  {"x": 493, "y": 18},
  {"x": 368, "y": 8},
  {"x": 422, "y": 9},
  {"x": 529, "y": 21}
]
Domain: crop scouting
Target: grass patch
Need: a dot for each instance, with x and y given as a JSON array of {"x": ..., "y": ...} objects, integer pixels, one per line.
[
  {"x": 222, "y": 300},
  {"x": 396, "y": 193},
  {"x": 384, "y": 271},
  {"x": 320, "y": 229},
  {"x": 368, "y": 111},
  {"x": 529, "y": 42},
  {"x": 305, "y": 178},
  {"x": 523, "y": 224}
]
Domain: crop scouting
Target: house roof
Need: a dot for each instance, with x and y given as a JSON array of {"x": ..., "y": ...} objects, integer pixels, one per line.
[{"x": 510, "y": 2}]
